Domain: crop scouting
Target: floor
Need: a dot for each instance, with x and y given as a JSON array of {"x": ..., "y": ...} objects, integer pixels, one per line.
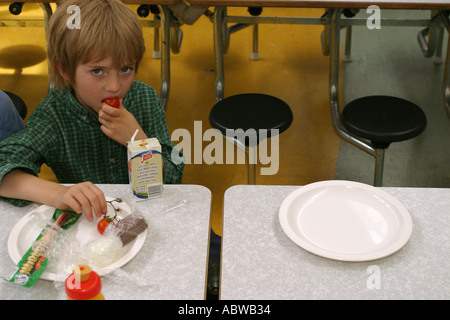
[{"x": 291, "y": 67}]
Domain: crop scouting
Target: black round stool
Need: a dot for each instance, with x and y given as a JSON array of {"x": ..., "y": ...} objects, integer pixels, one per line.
[
  {"x": 18, "y": 103},
  {"x": 248, "y": 119},
  {"x": 383, "y": 120}
]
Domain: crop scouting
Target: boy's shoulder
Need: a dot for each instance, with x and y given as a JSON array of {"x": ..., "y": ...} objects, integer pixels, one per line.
[
  {"x": 142, "y": 93},
  {"x": 46, "y": 106},
  {"x": 56, "y": 106},
  {"x": 139, "y": 87},
  {"x": 55, "y": 98}
]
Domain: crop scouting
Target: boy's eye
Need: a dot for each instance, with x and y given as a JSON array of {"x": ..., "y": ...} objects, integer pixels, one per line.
[
  {"x": 126, "y": 69},
  {"x": 97, "y": 72}
]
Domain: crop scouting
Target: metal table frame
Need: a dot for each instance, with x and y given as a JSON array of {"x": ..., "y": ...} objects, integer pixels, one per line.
[{"x": 333, "y": 22}]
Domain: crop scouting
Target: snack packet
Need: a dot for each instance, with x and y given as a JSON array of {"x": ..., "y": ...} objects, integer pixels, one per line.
[
  {"x": 34, "y": 262},
  {"x": 128, "y": 228}
]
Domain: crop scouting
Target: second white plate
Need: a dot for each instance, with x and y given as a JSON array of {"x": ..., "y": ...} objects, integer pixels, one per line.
[{"x": 345, "y": 220}]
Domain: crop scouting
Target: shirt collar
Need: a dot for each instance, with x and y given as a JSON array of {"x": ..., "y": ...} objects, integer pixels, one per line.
[{"x": 77, "y": 110}]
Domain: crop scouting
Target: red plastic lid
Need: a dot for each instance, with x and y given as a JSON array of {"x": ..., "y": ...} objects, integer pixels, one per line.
[{"x": 83, "y": 283}]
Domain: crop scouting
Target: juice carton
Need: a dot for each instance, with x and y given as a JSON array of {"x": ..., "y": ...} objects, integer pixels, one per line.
[{"x": 145, "y": 168}]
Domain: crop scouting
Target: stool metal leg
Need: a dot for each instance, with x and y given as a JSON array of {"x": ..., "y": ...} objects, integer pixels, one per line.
[
  {"x": 379, "y": 164},
  {"x": 439, "y": 47},
  {"x": 348, "y": 44},
  {"x": 255, "y": 51},
  {"x": 48, "y": 12},
  {"x": 335, "y": 29},
  {"x": 218, "y": 51},
  {"x": 251, "y": 164},
  {"x": 446, "y": 21},
  {"x": 165, "y": 55},
  {"x": 433, "y": 32},
  {"x": 156, "y": 40}
]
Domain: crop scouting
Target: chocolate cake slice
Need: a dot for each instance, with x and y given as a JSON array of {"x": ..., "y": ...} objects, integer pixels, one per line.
[{"x": 128, "y": 228}]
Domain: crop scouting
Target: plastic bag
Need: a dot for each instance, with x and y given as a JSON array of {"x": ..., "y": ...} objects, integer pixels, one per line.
[{"x": 35, "y": 260}]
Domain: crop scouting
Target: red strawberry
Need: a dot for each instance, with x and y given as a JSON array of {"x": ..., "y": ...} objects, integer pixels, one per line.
[{"x": 112, "y": 101}]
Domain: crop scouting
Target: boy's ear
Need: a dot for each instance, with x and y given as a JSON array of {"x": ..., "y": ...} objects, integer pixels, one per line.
[{"x": 61, "y": 72}]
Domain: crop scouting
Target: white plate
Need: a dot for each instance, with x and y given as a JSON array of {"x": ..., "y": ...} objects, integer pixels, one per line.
[
  {"x": 28, "y": 229},
  {"x": 345, "y": 220}
]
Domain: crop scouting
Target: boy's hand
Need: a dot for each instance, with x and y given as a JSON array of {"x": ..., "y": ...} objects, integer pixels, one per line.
[
  {"x": 82, "y": 197},
  {"x": 119, "y": 124}
]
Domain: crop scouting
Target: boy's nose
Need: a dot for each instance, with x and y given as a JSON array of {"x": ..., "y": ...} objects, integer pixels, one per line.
[{"x": 113, "y": 84}]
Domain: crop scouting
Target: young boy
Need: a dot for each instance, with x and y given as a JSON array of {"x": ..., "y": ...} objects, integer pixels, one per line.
[{"x": 94, "y": 49}]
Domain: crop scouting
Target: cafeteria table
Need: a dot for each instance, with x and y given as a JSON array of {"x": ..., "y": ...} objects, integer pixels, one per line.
[
  {"x": 260, "y": 262},
  {"x": 165, "y": 23},
  {"x": 171, "y": 264}
]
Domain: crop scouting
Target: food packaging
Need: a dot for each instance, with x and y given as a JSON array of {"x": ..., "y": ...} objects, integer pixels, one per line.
[
  {"x": 128, "y": 228},
  {"x": 35, "y": 260}
]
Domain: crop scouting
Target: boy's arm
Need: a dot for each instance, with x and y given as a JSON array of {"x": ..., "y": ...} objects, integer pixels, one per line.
[
  {"x": 173, "y": 172},
  {"x": 83, "y": 197}
]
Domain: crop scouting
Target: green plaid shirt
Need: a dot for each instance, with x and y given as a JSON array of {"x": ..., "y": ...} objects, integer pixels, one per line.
[{"x": 67, "y": 137}]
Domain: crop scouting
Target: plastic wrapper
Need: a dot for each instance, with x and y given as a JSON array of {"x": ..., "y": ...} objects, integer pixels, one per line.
[
  {"x": 104, "y": 251},
  {"x": 128, "y": 228},
  {"x": 35, "y": 260},
  {"x": 82, "y": 244},
  {"x": 85, "y": 245}
]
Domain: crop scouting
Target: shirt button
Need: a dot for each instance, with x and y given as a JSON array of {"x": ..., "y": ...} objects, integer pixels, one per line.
[
  {"x": 84, "y": 118},
  {"x": 112, "y": 161}
]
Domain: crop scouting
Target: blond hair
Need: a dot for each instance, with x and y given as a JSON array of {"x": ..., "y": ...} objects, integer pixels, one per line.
[{"x": 108, "y": 28}]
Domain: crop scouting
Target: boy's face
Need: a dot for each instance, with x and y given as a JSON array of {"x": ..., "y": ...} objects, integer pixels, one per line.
[{"x": 95, "y": 81}]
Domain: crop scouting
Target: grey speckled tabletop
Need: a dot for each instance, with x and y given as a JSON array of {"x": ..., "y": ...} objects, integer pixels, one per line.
[
  {"x": 171, "y": 264},
  {"x": 260, "y": 262}
]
